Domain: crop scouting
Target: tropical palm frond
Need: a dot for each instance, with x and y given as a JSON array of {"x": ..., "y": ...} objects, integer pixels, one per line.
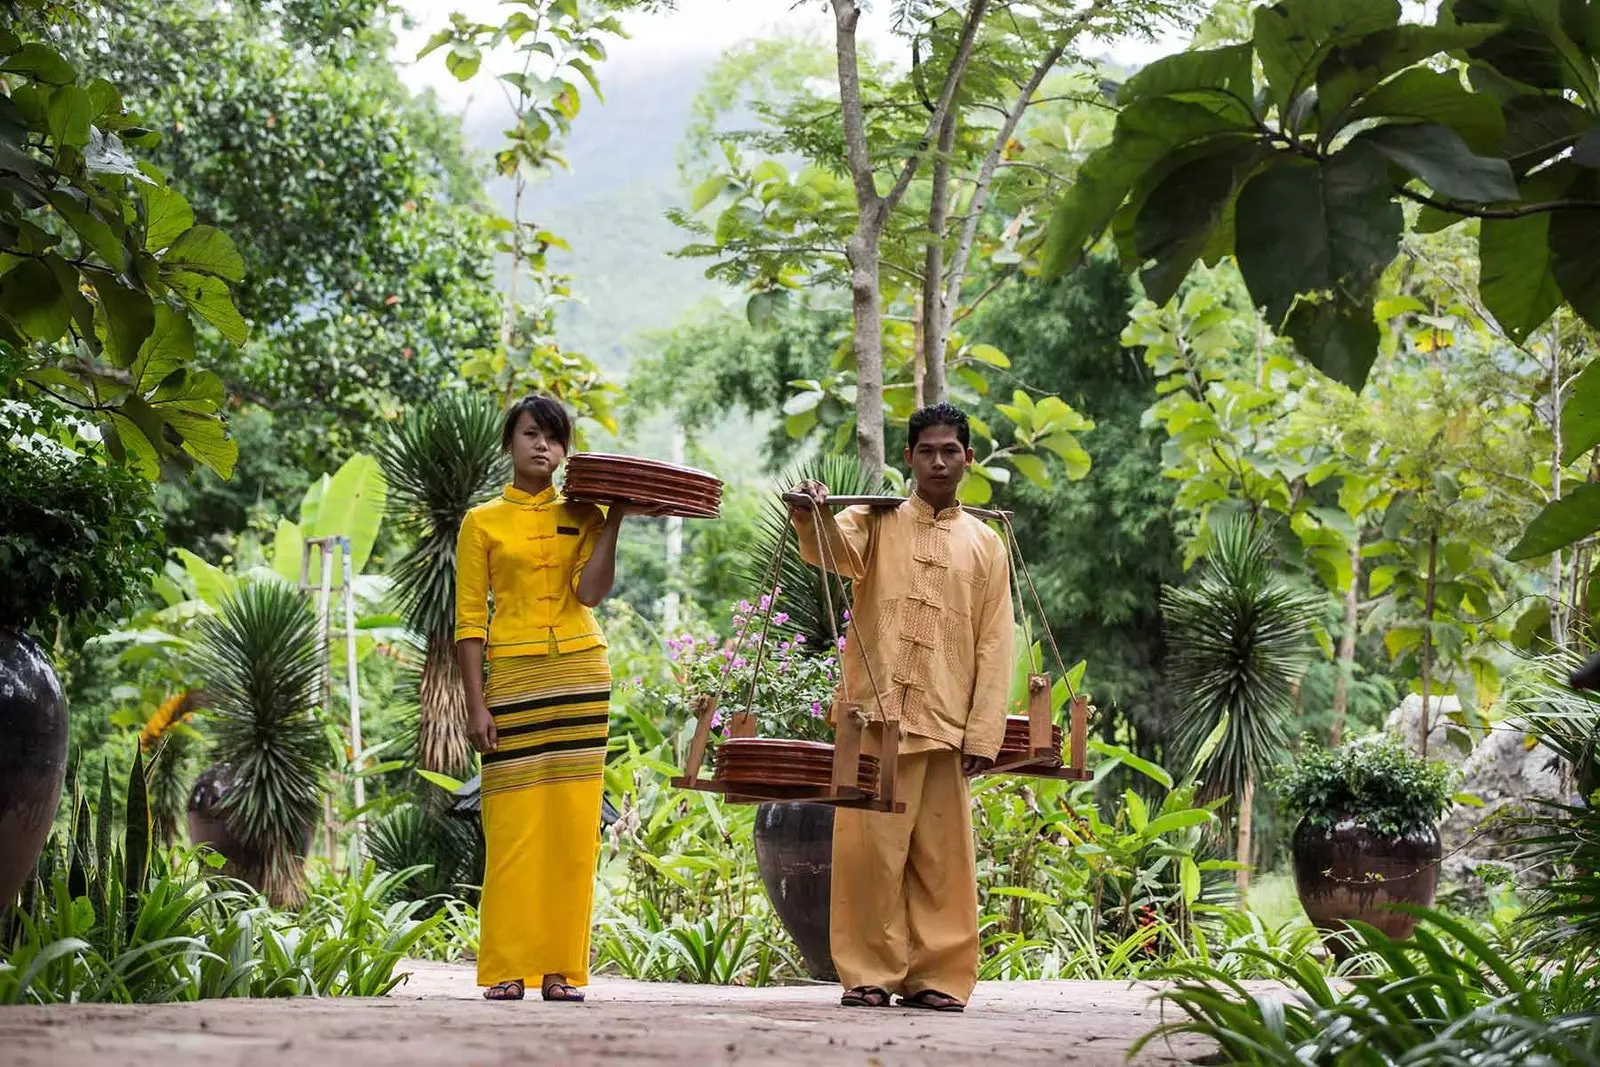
[
  {"x": 802, "y": 595},
  {"x": 258, "y": 659},
  {"x": 439, "y": 460},
  {"x": 1238, "y": 639}
]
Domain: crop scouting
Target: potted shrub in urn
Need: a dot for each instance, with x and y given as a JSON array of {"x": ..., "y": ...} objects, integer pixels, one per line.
[
  {"x": 789, "y": 697},
  {"x": 1368, "y": 836},
  {"x": 77, "y": 541}
]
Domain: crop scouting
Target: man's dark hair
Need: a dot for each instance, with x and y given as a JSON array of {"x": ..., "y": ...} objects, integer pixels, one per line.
[
  {"x": 547, "y": 414},
  {"x": 939, "y": 415}
]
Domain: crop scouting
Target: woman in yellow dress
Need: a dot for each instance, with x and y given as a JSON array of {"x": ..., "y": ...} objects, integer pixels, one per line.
[{"x": 541, "y": 721}]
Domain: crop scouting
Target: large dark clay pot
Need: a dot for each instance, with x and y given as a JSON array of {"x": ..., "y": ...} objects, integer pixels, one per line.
[
  {"x": 1347, "y": 872},
  {"x": 33, "y": 757},
  {"x": 794, "y": 852}
]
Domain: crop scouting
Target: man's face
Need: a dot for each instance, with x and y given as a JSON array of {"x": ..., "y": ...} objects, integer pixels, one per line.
[{"x": 939, "y": 461}]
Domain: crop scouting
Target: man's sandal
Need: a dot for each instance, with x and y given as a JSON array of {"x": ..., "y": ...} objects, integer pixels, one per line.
[
  {"x": 865, "y": 996},
  {"x": 932, "y": 1000},
  {"x": 561, "y": 991},
  {"x": 512, "y": 990}
]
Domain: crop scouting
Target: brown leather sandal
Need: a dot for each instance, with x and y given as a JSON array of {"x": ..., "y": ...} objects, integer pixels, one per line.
[
  {"x": 865, "y": 996},
  {"x": 512, "y": 990},
  {"x": 559, "y": 990},
  {"x": 932, "y": 1000}
]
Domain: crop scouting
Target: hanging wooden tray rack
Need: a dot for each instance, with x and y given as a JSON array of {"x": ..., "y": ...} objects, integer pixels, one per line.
[
  {"x": 753, "y": 770},
  {"x": 1033, "y": 742},
  {"x": 607, "y": 478}
]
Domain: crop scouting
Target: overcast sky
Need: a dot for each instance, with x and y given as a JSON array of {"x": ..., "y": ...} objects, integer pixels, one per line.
[{"x": 697, "y": 27}]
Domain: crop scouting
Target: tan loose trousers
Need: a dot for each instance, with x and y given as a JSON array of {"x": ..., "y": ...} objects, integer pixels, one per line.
[{"x": 905, "y": 885}]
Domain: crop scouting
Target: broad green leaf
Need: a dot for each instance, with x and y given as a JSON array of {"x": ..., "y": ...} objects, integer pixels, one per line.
[
  {"x": 1147, "y": 130},
  {"x": 206, "y": 250},
  {"x": 800, "y": 403},
  {"x": 169, "y": 346},
  {"x": 762, "y": 309},
  {"x": 1438, "y": 156},
  {"x": 706, "y": 192},
  {"x": 797, "y": 426},
  {"x": 1562, "y": 522},
  {"x": 43, "y": 64},
  {"x": 1534, "y": 49},
  {"x": 1356, "y": 71},
  {"x": 212, "y": 585},
  {"x": 975, "y": 488},
  {"x": 1176, "y": 221},
  {"x": 1066, "y": 446},
  {"x": 1131, "y": 761},
  {"x": 443, "y": 781},
  {"x": 1294, "y": 36},
  {"x": 352, "y": 506},
  {"x": 1574, "y": 236},
  {"x": 167, "y": 215},
  {"x": 1189, "y": 877},
  {"x": 287, "y": 551},
  {"x": 1401, "y": 640},
  {"x": 1225, "y": 69},
  {"x": 70, "y": 113},
  {"x": 133, "y": 444},
  {"x": 123, "y": 319},
  {"x": 1516, "y": 277},
  {"x": 1328, "y": 230},
  {"x": 1580, "y": 414},
  {"x": 989, "y": 354},
  {"x": 209, "y": 297},
  {"x": 1032, "y": 468},
  {"x": 1178, "y": 820},
  {"x": 1540, "y": 127},
  {"x": 32, "y": 302},
  {"x": 1138, "y": 813},
  {"x": 96, "y": 234},
  {"x": 1434, "y": 96}
]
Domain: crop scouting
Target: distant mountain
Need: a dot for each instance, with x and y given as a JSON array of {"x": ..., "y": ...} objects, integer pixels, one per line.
[{"x": 610, "y": 207}]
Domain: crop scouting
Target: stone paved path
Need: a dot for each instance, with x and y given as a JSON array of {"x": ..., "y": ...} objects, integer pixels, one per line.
[{"x": 438, "y": 1018}]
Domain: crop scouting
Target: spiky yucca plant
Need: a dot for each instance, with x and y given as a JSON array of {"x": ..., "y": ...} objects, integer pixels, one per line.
[
  {"x": 439, "y": 460},
  {"x": 258, "y": 659},
  {"x": 802, "y": 596},
  {"x": 1237, "y": 640}
]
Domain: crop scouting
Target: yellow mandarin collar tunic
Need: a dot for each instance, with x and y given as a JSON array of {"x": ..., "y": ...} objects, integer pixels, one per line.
[{"x": 528, "y": 550}]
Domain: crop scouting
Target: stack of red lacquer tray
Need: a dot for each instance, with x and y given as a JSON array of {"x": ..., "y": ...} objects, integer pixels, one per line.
[
  {"x": 773, "y": 764},
  {"x": 605, "y": 478},
  {"x": 1015, "y": 746}
]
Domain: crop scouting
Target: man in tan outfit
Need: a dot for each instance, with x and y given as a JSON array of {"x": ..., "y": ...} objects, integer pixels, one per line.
[{"x": 929, "y": 643}]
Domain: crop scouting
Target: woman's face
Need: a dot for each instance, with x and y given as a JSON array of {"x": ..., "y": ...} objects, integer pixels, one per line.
[{"x": 534, "y": 454}]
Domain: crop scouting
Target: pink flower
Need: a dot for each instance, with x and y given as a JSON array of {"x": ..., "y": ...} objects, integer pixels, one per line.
[
  {"x": 846, "y": 614},
  {"x": 799, "y": 639},
  {"x": 716, "y": 719},
  {"x": 816, "y": 709},
  {"x": 841, "y": 644},
  {"x": 746, "y": 607},
  {"x": 780, "y": 618},
  {"x": 766, "y": 601}
]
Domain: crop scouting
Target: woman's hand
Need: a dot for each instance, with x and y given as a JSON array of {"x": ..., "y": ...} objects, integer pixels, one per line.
[{"x": 480, "y": 727}]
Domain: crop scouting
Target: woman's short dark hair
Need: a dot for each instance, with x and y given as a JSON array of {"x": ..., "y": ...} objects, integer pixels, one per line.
[{"x": 547, "y": 414}]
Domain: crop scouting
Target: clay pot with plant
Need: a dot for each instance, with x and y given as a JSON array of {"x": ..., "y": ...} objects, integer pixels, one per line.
[{"x": 1368, "y": 836}]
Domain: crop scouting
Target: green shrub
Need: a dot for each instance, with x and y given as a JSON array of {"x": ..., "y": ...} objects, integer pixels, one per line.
[
  {"x": 1380, "y": 784},
  {"x": 78, "y": 539}
]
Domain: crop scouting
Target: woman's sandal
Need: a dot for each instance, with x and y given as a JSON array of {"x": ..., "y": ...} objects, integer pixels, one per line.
[
  {"x": 865, "y": 996},
  {"x": 512, "y": 990},
  {"x": 932, "y": 1000},
  {"x": 558, "y": 990}
]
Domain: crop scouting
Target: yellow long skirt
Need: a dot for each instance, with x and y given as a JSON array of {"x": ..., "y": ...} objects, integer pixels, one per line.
[{"x": 541, "y": 815}]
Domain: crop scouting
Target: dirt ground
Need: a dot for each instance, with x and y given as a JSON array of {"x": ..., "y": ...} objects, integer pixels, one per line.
[{"x": 438, "y": 1018}]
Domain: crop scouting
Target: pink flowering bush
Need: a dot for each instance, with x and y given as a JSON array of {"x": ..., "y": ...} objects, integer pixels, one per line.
[{"x": 791, "y": 693}]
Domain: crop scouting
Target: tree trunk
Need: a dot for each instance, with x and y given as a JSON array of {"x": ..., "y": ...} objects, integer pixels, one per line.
[
  {"x": 1427, "y": 639},
  {"x": 442, "y": 744},
  {"x": 873, "y": 211},
  {"x": 962, "y": 252},
  {"x": 1247, "y": 805},
  {"x": 932, "y": 351},
  {"x": 1347, "y": 645}
]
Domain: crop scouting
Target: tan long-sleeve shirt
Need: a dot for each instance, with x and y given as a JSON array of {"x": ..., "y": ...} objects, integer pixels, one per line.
[{"x": 931, "y": 632}]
